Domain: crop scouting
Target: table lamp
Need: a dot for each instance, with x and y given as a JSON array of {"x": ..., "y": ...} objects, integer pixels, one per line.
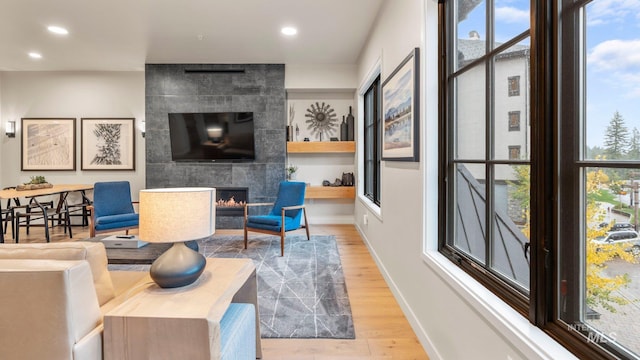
[{"x": 176, "y": 215}]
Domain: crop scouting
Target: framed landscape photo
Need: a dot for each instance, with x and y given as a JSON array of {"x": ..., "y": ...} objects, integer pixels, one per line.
[
  {"x": 400, "y": 111},
  {"x": 48, "y": 144},
  {"x": 107, "y": 144}
]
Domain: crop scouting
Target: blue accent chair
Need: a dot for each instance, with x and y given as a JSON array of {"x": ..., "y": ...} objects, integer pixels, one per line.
[
  {"x": 112, "y": 208},
  {"x": 285, "y": 215}
]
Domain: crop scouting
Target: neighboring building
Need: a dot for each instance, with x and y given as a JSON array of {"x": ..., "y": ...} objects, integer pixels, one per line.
[{"x": 511, "y": 124}]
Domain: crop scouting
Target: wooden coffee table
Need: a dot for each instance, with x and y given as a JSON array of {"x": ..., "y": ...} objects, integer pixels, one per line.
[{"x": 144, "y": 255}]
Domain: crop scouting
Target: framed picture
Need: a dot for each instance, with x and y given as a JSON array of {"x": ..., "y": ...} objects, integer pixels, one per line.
[
  {"x": 48, "y": 144},
  {"x": 107, "y": 144},
  {"x": 400, "y": 111}
]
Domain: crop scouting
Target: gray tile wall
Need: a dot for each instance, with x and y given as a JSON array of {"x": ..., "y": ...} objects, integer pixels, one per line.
[{"x": 260, "y": 89}]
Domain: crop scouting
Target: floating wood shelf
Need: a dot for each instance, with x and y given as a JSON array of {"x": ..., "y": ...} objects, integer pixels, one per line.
[
  {"x": 330, "y": 192},
  {"x": 321, "y": 146}
]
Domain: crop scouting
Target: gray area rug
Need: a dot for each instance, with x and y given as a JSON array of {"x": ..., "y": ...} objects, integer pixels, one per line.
[{"x": 300, "y": 295}]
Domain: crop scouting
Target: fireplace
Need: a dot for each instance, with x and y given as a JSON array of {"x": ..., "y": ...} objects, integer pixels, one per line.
[{"x": 230, "y": 200}]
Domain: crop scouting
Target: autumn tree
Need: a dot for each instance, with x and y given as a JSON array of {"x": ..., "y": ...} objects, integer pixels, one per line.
[{"x": 601, "y": 289}]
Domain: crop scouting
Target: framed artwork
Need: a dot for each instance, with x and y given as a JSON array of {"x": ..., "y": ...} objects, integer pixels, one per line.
[
  {"x": 48, "y": 144},
  {"x": 400, "y": 111},
  {"x": 107, "y": 144}
]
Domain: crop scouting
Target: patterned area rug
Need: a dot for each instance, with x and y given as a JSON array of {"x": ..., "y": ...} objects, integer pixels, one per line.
[{"x": 300, "y": 295}]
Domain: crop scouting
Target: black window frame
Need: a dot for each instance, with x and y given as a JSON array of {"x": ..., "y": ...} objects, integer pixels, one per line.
[
  {"x": 513, "y": 85},
  {"x": 372, "y": 128},
  {"x": 514, "y": 148},
  {"x": 554, "y": 73},
  {"x": 514, "y": 125}
]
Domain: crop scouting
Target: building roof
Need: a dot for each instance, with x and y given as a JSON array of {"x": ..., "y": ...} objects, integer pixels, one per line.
[{"x": 510, "y": 255}]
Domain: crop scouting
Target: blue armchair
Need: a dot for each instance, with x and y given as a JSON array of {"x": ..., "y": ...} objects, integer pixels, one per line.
[
  {"x": 112, "y": 208},
  {"x": 285, "y": 215}
]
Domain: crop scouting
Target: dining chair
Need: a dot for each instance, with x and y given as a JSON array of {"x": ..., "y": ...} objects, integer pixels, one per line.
[
  {"x": 285, "y": 215},
  {"x": 112, "y": 208},
  {"x": 40, "y": 211},
  {"x": 6, "y": 216}
]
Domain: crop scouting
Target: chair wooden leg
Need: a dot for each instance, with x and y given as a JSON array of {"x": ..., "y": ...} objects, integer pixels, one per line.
[
  {"x": 46, "y": 225},
  {"x": 16, "y": 224},
  {"x": 282, "y": 240},
  {"x": 69, "y": 224},
  {"x": 282, "y": 227},
  {"x": 246, "y": 217},
  {"x": 306, "y": 223}
]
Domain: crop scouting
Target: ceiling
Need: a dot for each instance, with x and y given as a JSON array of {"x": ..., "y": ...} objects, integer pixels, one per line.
[{"x": 123, "y": 35}]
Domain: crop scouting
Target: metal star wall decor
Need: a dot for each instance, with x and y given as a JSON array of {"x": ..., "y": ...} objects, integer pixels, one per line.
[{"x": 321, "y": 119}]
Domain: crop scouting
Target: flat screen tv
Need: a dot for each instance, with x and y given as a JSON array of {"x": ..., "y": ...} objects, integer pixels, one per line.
[{"x": 213, "y": 136}]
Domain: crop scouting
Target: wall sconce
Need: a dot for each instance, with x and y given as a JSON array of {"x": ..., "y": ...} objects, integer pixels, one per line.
[
  {"x": 142, "y": 128},
  {"x": 10, "y": 129}
]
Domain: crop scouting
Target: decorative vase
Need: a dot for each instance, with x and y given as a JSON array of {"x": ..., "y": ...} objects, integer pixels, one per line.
[
  {"x": 344, "y": 130},
  {"x": 289, "y": 133},
  {"x": 350, "y": 129}
]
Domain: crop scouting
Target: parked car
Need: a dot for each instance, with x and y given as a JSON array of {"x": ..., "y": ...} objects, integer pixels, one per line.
[
  {"x": 629, "y": 238},
  {"x": 621, "y": 226}
]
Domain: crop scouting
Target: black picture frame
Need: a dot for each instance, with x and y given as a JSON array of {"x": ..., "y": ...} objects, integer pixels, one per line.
[
  {"x": 113, "y": 150},
  {"x": 401, "y": 111}
]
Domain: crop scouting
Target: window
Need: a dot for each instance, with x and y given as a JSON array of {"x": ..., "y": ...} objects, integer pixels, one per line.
[
  {"x": 514, "y": 120},
  {"x": 372, "y": 153},
  {"x": 488, "y": 179},
  {"x": 553, "y": 259},
  {"x": 514, "y": 152},
  {"x": 514, "y": 85}
]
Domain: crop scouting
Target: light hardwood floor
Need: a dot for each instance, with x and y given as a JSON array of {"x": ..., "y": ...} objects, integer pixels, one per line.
[{"x": 382, "y": 331}]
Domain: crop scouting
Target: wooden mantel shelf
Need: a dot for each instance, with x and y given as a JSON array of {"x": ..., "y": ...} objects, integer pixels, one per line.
[
  {"x": 330, "y": 192},
  {"x": 321, "y": 146}
]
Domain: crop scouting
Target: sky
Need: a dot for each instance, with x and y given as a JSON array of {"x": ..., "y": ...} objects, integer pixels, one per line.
[{"x": 612, "y": 53}]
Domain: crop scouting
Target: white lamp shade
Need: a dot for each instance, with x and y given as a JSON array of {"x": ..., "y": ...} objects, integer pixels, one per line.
[
  {"x": 214, "y": 132},
  {"x": 177, "y": 214}
]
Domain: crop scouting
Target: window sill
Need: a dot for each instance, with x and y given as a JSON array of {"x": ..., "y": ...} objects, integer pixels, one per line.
[
  {"x": 371, "y": 206},
  {"x": 512, "y": 326}
]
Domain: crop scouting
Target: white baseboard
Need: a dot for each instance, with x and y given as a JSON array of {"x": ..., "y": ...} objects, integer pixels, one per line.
[{"x": 422, "y": 335}]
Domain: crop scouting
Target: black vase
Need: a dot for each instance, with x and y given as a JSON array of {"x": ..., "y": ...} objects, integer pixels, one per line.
[
  {"x": 289, "y": 133},
  {"x": 350, "y": 125},
  {"x": 344, "y": 130}
]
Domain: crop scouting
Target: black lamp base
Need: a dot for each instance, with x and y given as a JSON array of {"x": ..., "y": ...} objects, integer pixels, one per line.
[{"x": 178, "y": 266}]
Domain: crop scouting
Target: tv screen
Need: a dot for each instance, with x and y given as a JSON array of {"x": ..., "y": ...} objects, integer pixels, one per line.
[{"x": 211, "y": 136}]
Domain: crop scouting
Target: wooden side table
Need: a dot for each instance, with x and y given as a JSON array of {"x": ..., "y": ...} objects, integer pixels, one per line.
[{"x": 181, "y": 323}]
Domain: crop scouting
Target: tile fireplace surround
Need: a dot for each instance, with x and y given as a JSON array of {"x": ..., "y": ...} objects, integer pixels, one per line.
[{"x": 258, "y": 88}]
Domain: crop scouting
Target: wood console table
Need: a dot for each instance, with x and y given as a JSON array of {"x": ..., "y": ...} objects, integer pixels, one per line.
[{"x": 181, "y": 323}]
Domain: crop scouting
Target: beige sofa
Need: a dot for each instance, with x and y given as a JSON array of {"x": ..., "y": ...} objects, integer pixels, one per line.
[{"x": 53, "y": 297}]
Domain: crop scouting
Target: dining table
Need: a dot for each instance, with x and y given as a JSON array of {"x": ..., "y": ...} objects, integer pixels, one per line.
[{"x": 12, "y": 194}]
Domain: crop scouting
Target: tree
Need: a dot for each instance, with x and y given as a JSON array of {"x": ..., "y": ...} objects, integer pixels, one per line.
[
  {"x": 601, "y": 290},
  {"x": 634, "y": 145},
  {"x": 616, "y": 138}
]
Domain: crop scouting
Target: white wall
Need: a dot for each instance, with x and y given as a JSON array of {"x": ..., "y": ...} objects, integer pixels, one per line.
[
  {"x": 70, "y": 95},
  {"x": 335, "y": 85},
  {"x": 453, "y": 316},
  {"x": 320, "y": 76}
]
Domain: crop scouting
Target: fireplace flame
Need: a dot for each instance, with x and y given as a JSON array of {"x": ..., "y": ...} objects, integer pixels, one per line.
[{"x": 230, "y": 203}]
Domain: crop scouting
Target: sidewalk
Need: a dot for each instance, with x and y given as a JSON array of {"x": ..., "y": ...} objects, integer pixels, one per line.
[{"x": 622, "y": 325}]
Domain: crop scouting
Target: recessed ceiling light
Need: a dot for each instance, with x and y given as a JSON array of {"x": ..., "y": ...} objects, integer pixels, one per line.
[
  {"x": 289, "y": 30},
  {"x": 35, "y": 55},
  {"x": 58, "y": 30}
]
